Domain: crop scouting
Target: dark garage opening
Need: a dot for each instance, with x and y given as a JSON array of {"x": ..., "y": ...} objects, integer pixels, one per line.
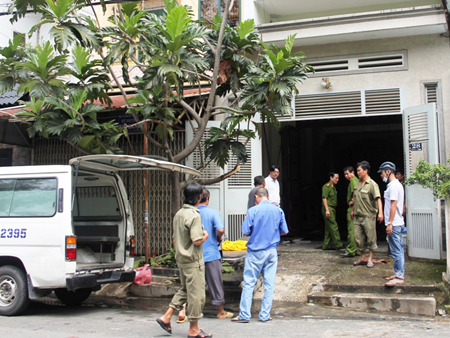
[{"x": 311, "y": 149}]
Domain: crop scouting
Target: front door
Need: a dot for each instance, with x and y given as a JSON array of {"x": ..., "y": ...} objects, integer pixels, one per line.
[{"x": 420, "y": 140}]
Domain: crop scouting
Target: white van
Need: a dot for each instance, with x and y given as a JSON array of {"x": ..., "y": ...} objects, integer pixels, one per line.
[{"x": 67, "y": 228}]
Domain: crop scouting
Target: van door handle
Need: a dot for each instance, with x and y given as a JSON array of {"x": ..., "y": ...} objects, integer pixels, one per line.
[{"x": 60, "y": 199}]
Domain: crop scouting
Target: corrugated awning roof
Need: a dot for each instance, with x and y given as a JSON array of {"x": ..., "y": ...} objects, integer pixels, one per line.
[{"x": 10, "y": 97}]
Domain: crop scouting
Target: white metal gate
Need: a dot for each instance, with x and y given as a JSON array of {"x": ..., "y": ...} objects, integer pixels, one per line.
[
  {"x": 230, "y": 196},
  {"x": 420, "y": 135}
]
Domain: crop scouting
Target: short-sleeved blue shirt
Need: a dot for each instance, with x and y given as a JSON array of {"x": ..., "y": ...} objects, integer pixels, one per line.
[
  {"x": 211, "y": 222},
  {"x": 264, "y": 224}
]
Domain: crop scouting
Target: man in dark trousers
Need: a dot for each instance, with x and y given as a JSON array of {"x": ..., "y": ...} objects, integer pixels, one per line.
[
  {"x": 349, "y": 174},
  {"x": 264, "y": 224},
  {"x": 213, "y": 263},
  {"x": 329, "y": 204},
  {"x": 188, "y": 237}
]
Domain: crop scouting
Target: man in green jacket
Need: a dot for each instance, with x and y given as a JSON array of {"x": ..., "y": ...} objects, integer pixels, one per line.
[
  {"x": 329, "y": 204},
  {"x": 349, "y": 174}
]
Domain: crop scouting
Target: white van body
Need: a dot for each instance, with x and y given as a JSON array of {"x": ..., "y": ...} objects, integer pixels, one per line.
[{"x": 54, "y": 237}]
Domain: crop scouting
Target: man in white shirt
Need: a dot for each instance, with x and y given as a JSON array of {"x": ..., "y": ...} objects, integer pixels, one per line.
[
  {"x": 393, "y": 218},
  {"x": 272, "y": 185}
]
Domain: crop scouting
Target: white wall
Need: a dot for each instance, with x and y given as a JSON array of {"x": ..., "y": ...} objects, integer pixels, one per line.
[{"x": 428, "y": 60}]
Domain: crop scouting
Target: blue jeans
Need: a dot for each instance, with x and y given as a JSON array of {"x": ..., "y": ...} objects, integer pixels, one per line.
[
  {"x": 396, "y": 247},
  {"x": 256, "y": 262}
]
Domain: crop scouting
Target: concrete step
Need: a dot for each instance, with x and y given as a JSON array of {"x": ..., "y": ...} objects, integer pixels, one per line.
[
  {"x": 167, "y": 286},
  {"x": 399, "y": 289},
  {"x": 383, "y": 302}
]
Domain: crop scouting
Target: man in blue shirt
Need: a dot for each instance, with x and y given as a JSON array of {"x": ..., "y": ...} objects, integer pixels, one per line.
[
  {"x": 211, "y": 255},
  {"x": 264, "y": 224}
]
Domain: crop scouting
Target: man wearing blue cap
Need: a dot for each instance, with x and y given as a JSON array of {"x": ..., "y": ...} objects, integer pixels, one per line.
[{"x": 393, "y": 218}]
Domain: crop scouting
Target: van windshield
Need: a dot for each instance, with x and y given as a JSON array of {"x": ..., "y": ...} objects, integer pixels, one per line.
[{"x": 96, "y": 201}]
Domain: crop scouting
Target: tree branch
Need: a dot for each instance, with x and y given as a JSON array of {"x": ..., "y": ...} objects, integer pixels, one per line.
[
  {"x": 232, "y": 109},
  {"x": 213, "y": 50},
  {"x": 220, "y": 178},
  {"x": 196, "y": 73},
  {"x": 81, "y": 150},
  {"x": 191, "y": 111}
]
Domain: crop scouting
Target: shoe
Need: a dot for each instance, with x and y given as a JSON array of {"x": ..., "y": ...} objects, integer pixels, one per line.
[
  {"x": 239, "y": 320},
  {"x": 341, "y": 248},
  {"x": 328, "y": 249},
  {"x": 346, "y": 255},
  {"x": 394, "y": 282}
]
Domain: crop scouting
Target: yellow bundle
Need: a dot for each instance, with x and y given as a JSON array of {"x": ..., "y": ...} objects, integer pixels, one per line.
[{"x": 234, "y": 246}]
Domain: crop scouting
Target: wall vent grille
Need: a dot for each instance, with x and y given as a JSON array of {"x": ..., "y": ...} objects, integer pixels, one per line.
[
  {"x": 346, "y": 104},
  {"x": 355, "y": 64},
  {"x": 244, "y": 176},
  {"x": 234, "y": 226}
]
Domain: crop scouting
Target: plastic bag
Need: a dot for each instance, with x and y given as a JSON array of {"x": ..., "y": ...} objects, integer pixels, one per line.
[{"x": 143, "y": 275}]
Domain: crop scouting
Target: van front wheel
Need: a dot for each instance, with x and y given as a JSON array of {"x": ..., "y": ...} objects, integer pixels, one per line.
[
  {"x": 72, "y": 298},
  {"x": 13, "y": 291}
]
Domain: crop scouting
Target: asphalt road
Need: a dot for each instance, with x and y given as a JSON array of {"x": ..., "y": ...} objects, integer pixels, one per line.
[{"x": 49, "y": 320}]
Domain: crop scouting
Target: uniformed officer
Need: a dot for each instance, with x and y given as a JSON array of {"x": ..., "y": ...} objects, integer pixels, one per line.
[
  {"x": 349, "y": 174},
  {"x": 329, "y": 204}
]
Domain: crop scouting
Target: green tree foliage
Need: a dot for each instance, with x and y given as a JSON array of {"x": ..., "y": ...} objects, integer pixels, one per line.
[
  {"x": 69, "y": 76},
  {"x": 435, "y": 177}
]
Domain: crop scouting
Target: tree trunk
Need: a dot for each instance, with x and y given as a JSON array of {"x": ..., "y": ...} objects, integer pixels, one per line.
[{"x": 176, "y": 192}]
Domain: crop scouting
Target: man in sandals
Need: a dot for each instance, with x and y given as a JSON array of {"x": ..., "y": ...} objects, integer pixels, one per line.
[
  {"x": 264, "y": 224},
  {"x": 188, "y": 237},
  {"x": 367, "y": 208},
  {"x": 213, "y": 261},
  {"x": 393, "y": 218}
]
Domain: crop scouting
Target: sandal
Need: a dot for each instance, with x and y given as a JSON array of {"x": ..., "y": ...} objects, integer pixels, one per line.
[
  {"x": 360, "y": 262},
  {"x": 265, "y": 321},
  {"x": 201, "y": 334},
  {"x": 395, "y": 282},
  {"x": 239, "y": 320},
  {"x": 182, "y": 320},
  {"x": 390, "y": 278},
  {"x": 370, "y": 264},
  {"x": 164, "y": 326},
  {"x": 228, "y": 315}
]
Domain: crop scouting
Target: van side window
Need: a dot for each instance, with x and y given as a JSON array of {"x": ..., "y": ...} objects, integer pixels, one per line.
[
  {"x": 28, "y": 197},
  {"x": 96, "y": 201},
  {"x": 6, "y": 192}
]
